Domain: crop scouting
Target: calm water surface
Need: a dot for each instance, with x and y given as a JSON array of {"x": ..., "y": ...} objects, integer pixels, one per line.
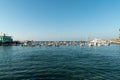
[{"x": 60, "y": 63}]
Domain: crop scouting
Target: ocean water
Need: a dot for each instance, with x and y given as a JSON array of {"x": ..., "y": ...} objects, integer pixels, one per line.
[{"x": 60, "y": 63}]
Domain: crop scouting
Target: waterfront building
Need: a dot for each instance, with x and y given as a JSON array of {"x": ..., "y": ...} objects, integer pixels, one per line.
[{"x": 5, "y": 39}]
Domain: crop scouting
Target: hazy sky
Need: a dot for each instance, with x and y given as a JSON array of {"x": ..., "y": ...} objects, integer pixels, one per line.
[{"x": 60, "y": 19}]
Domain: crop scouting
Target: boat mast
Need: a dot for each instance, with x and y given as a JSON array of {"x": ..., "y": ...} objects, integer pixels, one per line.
[{"x": 119, "y": 33}]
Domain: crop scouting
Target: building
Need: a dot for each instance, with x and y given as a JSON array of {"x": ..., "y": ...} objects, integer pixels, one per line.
[{"x": 5, "y": 39}]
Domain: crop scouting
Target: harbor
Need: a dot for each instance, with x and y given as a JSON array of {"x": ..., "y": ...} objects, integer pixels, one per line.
[
  {"x": 60, "y": 40},
  {"x": 8, "y": 41},
  {"x": 64, "y": 43},
  {"x": 60, "y": 63},
  {"x": 59, "y": 60}
]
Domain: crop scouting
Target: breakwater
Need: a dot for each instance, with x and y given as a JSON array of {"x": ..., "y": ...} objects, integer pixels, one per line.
[{"x": 114, "y": 41}]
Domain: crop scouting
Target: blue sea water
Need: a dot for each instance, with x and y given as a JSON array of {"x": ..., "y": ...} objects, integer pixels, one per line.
[{"x": 60, "y": 63}]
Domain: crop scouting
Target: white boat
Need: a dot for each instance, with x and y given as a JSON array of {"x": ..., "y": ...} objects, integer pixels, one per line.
[
  {"x": 97, "y": 42},
  {"x": 90, "y": 44},
  {"x": 107, "y": 44},
  {"x": 82, "y": 44}
]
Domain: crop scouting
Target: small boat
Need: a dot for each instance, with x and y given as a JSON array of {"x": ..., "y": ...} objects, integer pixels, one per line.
[
  {"x": 82, "y": 44},
  {"x": 98, "y": 44},
  {"x": 90, "y": 44},
  {"x": 64, "y": 44},
  {"x": 50, "y": 44},
  {"x": 107, "y": 44},
  {"x": 57, "y": 44},
  {"x": 24, "y": 44}
]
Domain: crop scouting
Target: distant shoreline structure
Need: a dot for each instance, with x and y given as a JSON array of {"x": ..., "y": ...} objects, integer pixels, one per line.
[
  {"x": 4, "y": 38},
  {"x": 114, "y": 41},
  {"x": 8, "y": 40}
]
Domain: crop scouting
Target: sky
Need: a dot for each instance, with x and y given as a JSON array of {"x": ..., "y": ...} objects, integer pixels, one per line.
[{"x": 60, "y": 19}]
